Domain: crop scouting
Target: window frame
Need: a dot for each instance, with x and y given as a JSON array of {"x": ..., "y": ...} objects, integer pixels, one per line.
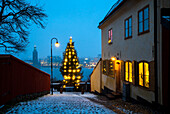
[
  {"x": 143, "y": 74},
  {"x": 142, "y": 10},
  {"x": 128, "y": 71},
  {"x": 111, "y": 36},
  {"x": 127, "y": 19}
]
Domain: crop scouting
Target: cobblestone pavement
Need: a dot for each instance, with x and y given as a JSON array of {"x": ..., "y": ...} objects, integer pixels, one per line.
[{"x": 66, "y": 103}]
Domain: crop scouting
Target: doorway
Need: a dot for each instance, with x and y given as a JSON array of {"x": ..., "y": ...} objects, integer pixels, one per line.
[{"x": 118, "y": 64}]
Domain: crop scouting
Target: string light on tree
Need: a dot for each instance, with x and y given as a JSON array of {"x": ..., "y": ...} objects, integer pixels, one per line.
[{"x": 70, "y": 68}]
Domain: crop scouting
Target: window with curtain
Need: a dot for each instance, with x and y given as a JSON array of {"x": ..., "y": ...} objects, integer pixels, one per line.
[
  {"x": 144, "y": 74},
  {"x": 110, "y": 36},
  {"x": 128, "y": 71}
]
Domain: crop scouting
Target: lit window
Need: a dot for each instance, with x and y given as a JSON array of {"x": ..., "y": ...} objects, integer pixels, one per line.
[
  {"x": 128, "y": 71},
  {"x": 144, "y": 74},
  {"x": 128, "y": 27},
  {"x": 110, "y": 36},
  {"x": 143, "y": 20},
  {"x": 111, "y": 68},
  {"x": 104, "y": 67}
]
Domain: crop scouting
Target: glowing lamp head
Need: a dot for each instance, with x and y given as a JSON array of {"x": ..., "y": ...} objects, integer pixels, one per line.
[
  {"x": 57, "y": 44},
  {"x": 113, "y": 58}
]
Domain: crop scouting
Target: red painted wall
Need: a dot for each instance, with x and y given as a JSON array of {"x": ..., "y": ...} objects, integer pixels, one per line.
[{"x": 19, "y": 78}]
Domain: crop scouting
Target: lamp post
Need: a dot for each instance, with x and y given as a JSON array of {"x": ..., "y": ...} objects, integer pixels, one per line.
[{"x": 57, "y": 45}]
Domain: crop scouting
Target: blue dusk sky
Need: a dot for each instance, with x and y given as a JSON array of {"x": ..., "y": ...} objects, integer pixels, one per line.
[{"x": 76, "y": 18}]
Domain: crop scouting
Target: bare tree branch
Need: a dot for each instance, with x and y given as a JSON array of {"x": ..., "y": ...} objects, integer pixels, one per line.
[{"x": 16, "y": 16}]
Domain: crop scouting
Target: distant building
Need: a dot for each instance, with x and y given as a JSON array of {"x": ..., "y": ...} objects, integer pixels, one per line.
[
  {"x": 35, "y": 58},
  {"x": 135, "y": 51}
]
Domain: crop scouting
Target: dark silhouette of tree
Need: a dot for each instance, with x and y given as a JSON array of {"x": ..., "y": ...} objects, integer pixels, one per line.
[{"x": 16, "y": 16}]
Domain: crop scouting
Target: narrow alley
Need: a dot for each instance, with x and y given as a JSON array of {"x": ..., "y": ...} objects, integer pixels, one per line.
[{"x": 70, "y": 102}]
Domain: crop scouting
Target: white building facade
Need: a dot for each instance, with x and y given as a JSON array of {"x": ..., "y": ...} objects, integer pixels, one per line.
[{"x": 132, "y": 49}]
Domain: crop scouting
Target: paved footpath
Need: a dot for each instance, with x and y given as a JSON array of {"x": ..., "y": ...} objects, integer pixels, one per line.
[{"x": 66, "y": 103}]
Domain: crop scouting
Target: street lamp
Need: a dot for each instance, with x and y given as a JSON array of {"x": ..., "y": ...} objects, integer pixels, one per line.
[{"x": 57, "y": 45}]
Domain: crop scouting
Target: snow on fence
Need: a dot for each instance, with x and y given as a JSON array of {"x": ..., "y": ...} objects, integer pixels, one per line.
[{"x": 19, "y": 78}]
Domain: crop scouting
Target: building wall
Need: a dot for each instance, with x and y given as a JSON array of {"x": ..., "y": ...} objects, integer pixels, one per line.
[
  {"x": 137, "y": 48},
  {"x": 160, "y": 4},
  {"x": 125, "y": 48},
  {"x": 96, "y": 78}
]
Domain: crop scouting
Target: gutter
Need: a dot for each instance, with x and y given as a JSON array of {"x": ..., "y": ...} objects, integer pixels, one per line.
[{"x": 155, "y": 46}]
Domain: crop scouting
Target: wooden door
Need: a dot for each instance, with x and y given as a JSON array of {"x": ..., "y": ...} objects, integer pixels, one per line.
[{"x": 118, "y": 77}]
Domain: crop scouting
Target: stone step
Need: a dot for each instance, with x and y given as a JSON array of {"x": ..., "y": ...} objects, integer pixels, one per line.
[
  {"x": 110, "y": 96},
  {"x": 116, "y": 94}
]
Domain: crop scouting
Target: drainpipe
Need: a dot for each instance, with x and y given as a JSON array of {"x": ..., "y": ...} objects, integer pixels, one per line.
[{"x": 155, "y": 56}]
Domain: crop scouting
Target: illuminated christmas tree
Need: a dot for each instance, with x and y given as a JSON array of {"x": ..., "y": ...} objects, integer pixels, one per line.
[{"x": 70, "y": 68}]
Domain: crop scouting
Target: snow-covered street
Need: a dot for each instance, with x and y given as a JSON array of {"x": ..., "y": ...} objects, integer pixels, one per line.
[{"x": 66, "y": 103}]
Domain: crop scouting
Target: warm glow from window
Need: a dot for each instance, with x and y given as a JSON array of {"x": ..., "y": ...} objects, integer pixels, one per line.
[
  {"x": 109, "y": 41},
  {"x": 64, "y": 86},
  {"x": 69, "y": 56},
  {"x": 146, "y": 73},
  {"x": 65, "y": 60},
  {"x": 128, "y": 71},
  {"x": 69, "y": 70},
  {"x": 65, "y": 63},
  {"x": 64, "y": 67},
  {"x": 141, "y": 74},
  {"x": 69, "y": 52},
  {"x": 64, "y": 70}
]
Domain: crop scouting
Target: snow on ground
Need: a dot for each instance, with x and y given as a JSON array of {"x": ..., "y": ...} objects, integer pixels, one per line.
[{"x": 66, "y": 103}]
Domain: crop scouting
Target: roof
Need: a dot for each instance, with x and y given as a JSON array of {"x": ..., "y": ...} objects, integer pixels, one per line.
[{"x": 113, "y": 9}]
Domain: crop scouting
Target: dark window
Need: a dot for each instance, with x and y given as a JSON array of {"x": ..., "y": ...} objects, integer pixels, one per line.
[
  {"x": 110, "y": 36},
  {"x": 128, "y": 27},
  {"x": 143, "y": 20}
]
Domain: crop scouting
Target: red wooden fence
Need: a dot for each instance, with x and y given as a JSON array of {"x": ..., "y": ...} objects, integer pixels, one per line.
[{"x": 19, "y": 78}]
